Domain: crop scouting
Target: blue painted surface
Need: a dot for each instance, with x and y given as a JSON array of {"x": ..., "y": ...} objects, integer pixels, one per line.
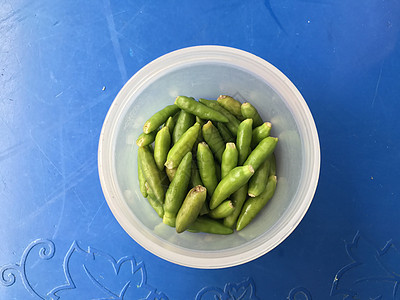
[{"x": 63, "y": 62}]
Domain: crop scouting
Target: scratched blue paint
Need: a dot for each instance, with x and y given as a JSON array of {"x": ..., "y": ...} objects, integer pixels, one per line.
[{"x": 55, "y": 59}]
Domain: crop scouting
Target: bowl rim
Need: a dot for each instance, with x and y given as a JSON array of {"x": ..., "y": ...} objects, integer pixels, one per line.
[{"x": 198, "y": 54}]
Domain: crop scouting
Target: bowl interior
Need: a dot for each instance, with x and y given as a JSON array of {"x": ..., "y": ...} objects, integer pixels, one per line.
[
  {"x": 209, "y": 81},
  {"x": 276, "y": 100}
]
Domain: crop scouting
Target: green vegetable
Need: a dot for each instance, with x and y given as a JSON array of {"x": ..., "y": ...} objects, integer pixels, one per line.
[
  {"x": 145, "y": 139},
  {"x": 161, "y": 147},
  {"x": 226, "y": 135},
  {"x": 238, "y": 199},
  {"x": 272, "y": 170},
  {"x": 198, "y": 109},
  {"x": 249, "y": 111},
  {"x": 261, "y": 152},
  {"x": 177, "y": 190},
  {"x": 232, "y": 124},
  {"x": 184, "y": 122},
  {"x": 254, "y": 205},
  {"x": 151, "y": 173},
  {"x": 206, "y": 166},
  {"x": 170, "y": 123},
  {"x": 260, "y": 133},
  {"x": 223, "y": 210},
  {"x": 257, "y": 183},
  {"x": 231, "y": 105},
  {"x": 164, "y": 180},
  {"x": 204, "y": 209},
  {"x": 243, "y": 139},
  {"x": 235, "y": 179},
  {"x": 219, "y": 149},
  {"x": 213, "y": 139},
  {"x": 159, "y": 118},
  {"x": 142, "y": 181},
  {"x": 156, "y": 205},
  {"x": 170, "y": 173},
  {"x": 195, "y": 178},
  {"x": 182, "y": 146},
  {"x": 205, "y": 224},
  {"x": 190, "y": 208},
  {"x": 200, "y": 120},
  {"x": 229, "y": 159}
]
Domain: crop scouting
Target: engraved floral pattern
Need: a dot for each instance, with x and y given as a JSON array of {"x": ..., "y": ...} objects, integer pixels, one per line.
[
  {"x": 98, "y": 275},
  {"x": 299, "y": 293},
  {"x": 373, "y": 272},
  {"x": 8, "y": 272},
  {"x": 110, "y": 278},
  {"x": 244, "y": 290}
]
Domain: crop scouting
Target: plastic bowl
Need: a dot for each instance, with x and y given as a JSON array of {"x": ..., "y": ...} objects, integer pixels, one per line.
[{"x": 207, "y": 72}]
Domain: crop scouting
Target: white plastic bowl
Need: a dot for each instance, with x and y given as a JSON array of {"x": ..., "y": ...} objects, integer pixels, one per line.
[{"x": 207, "y": 72}]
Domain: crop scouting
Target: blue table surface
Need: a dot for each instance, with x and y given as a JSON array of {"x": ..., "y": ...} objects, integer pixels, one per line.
[{"x": 62, "y": 64}]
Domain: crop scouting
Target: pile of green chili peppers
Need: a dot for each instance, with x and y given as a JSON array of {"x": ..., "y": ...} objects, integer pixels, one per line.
[{"x": 207, "y": 165}]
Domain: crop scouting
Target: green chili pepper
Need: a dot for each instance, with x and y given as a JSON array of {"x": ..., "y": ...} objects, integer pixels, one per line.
[
  {"x": 229, "y": 159},
  {"x": 184, "y": 122},
  {"x": 243, "y": 139},
  {"x": 200, "y": 136},
  {"x": 182, "y": 146},
  {"x": 164, "y": 180},
  {"x": 260, "y": 177},
  {"x": 198, "y": 109},
  {"x": 207, "y": 225},
  {"x": 206, "y": 166},
  {"x": 170, "y": 173},
  {"x": 142, "y": 181},
  {"x": 231, "y": 105},
  {"x": 170, "y": 123},
  {"x": 195, "y": 178},
  {"x": 226, "y": 135},
  {"x": 190, "y": 208},
  {"x": 161, "y": 147},
  {"x": 156, "y": 205},
  {"x": 238, "y": 199},
  {"x": 254, "y": 205},
  {"x": 159, "y": 118},
  {"x": 215, "y": 171},
  {"x": 177, "y": 190},
  {"x": 145, "y": 139},
  {"x": 200, "y": 120},
  {"x": 151, "y": 173},
  {"x": 235, "y": 179},
  {"x": 272, "y": 170},
  {"x": 213, "y": 139},
  {"x": 249, "y": 111},
  {"x": 149, "y": 191},
  {"x": 261, "y": 152},
  {"x": 223, "y": 210},
  {"x": 260, "y": 133},
  {"x": 232, "y": 124},
  {"x": 204, "y": 209}
]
